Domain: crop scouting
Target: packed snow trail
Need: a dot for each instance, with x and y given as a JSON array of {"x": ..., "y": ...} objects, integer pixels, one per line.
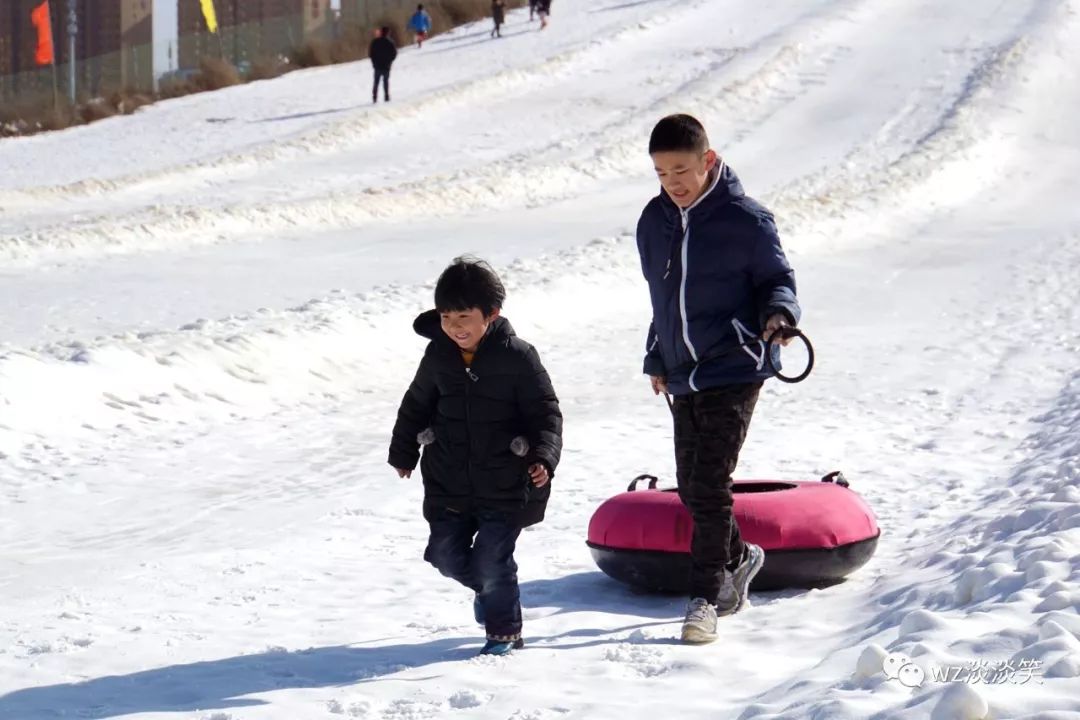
[{"x": 198, "y": 379}]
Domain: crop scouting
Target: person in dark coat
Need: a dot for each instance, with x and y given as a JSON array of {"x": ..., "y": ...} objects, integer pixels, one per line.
[
  {"x": 382, "y": 52},
  {"x": 543, "y": 9},
  {"x": 719, "y": 283},
  {"x": 498, "y": 15},
  {"x": 483, "y": 408}
]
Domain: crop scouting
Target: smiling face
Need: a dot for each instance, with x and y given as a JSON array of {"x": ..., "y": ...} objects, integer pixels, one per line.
[
  {"x": 467, "y": 327},
  {"x": 684, "y": 175}
]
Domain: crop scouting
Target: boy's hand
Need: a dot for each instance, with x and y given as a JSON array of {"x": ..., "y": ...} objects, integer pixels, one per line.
[
  {"x": 402, "y": 473},
  {"x": 539, "y": 474},
  {"x": 774, "y": 323},
  {"x": 659, "y": 384}
]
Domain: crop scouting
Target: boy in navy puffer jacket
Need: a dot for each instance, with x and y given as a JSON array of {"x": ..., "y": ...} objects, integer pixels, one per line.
[{"x": 719, "y": 283}]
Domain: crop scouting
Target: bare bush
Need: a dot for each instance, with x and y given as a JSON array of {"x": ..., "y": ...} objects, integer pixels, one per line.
[
  {"x": 313, "y": 53},
  {"x": 175, "y": 88},
  {"x": 216, "y": 74},
  {"x": 267, "y": 68},
  {"x": 351, "y": 46},
  {"x": 95, "y": 110}
]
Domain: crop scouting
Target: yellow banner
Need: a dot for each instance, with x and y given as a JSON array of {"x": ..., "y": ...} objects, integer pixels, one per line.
[{"x": 210, "y": 15}]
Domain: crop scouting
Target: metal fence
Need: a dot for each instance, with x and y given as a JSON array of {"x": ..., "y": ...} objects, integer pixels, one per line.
[
  {"x": 143, "y": 67},
  {"x": 146, "y": 66}
]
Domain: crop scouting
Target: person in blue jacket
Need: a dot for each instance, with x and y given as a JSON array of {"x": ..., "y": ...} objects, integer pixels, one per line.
[
  {"x": 420, "y": 24},
  {"x": 719, "y": 283}
]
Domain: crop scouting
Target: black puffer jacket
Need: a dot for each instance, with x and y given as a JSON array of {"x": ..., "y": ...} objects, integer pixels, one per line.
[
  {"x": 475, "y": 414},
  {"x": 382, "y": 53}
]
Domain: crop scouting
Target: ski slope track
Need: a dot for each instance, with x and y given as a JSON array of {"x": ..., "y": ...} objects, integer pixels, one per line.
[{"x": 207, "y": 331}]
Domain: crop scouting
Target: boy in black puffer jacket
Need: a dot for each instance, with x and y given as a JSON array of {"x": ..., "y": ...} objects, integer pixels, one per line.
[{"x": 483, "y": 406}]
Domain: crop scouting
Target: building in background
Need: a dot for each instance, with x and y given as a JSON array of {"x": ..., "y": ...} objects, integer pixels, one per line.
[
  {"x": 113, "y": 47},
  {"x": 17, "y": 69},
  {"x": 251, "y": 29},
  {"x": 130, "y": 44},
  {"x": 166, "y": 30}
]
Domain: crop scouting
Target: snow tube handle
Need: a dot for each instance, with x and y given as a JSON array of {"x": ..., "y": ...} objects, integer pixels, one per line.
[
  {"x": 651, "y": 478},
  {"x": 785, "y": 332},
  {"x": 837, "y": 477}
]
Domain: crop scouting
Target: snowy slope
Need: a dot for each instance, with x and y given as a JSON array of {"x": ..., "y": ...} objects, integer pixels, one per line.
[{"x": 206, "y": 332}]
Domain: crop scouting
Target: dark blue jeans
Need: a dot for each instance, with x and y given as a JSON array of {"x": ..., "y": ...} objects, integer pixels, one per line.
[{"x": 477, "y": 550}]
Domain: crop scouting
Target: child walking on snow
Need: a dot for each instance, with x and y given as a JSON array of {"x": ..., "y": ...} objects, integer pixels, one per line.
[
  {"x": 717, "y": 278},
  {"x": 483, "y": 407}
]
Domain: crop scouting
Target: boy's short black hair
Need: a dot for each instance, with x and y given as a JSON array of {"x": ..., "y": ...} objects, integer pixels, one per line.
[
  {"x": 678, "y": 133},
  {"x": 469, "y": 283}
]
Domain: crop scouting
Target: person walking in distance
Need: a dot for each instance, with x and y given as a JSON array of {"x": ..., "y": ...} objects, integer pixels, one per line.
[
  {"x": 498, "y": 16},
  {"x": 420, "y": 24},
  {"x": 543, "y": 8},
  {"x": 382, "y": 52}
]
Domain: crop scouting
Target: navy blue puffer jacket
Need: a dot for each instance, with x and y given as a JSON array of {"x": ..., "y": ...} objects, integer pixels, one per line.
[{"x": 716, "y": 273}]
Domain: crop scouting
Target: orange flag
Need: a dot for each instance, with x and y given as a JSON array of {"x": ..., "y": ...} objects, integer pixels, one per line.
[{"x": 43, "y": 54}]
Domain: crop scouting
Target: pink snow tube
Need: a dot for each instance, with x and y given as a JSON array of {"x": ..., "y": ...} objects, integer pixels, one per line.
[{"x": 813, "y": 533}]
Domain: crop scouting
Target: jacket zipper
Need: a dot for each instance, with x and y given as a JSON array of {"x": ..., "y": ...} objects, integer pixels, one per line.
[
  {"x": 684, "y": 254},
  {"x": 472, "y": 377}
]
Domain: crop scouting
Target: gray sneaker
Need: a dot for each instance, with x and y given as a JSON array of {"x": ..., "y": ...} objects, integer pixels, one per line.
[
  {"x": 735, "y": 588},
  {"x": 699, "y": 627}
]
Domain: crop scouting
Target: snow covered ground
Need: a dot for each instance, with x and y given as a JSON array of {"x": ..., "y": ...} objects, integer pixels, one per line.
[{"x": 206, "y": 329}]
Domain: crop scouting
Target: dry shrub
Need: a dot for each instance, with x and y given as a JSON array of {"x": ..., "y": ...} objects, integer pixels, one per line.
[
  {"x": 351, "y": 46},
  {"x": 36, "y": 113},
  {"x": 96, "y": 110},
  {"x": 313, "y": 53},
  {"x": 31, "y": 105},
  {"x": 459, "y": 12},
  {"x": 267, "y": 68},
  {"x": 177, "y": 88},
  {"x": 59, "y": 118},
  {"x": 215, "y": 74},
  {"x": 125, "y": 102}
]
